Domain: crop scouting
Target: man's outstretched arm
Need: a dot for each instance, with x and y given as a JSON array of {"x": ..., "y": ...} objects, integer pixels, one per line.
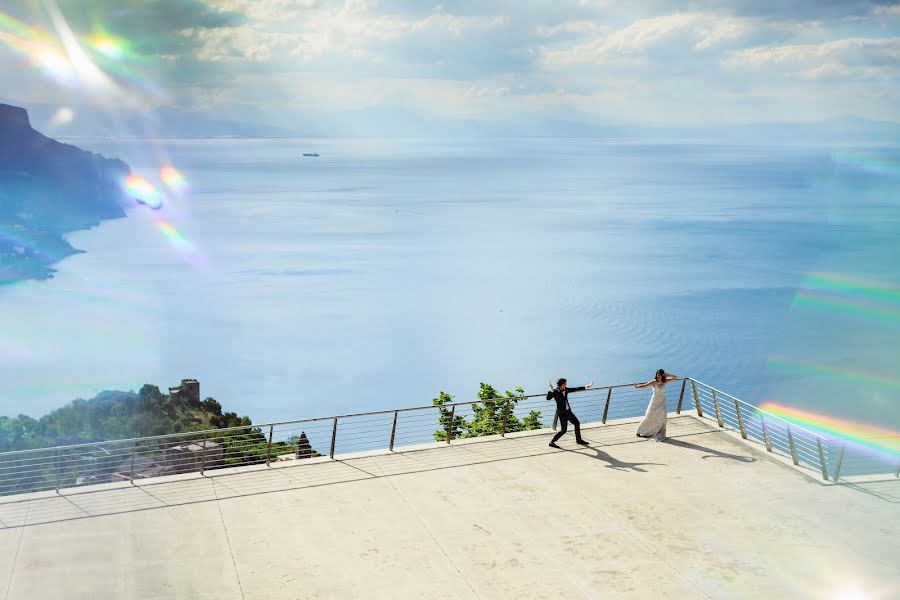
[{"x": 582, "y": 388}]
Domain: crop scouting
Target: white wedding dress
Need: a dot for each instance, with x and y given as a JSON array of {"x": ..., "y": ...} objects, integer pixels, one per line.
[{"x": 653, "y": 424}]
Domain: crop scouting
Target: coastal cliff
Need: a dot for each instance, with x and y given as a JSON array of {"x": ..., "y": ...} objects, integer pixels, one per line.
[{"x": 48, "y": 189}]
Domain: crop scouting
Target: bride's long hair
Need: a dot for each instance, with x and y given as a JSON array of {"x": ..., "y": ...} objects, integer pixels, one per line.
[{"x": 660, "y": 376}]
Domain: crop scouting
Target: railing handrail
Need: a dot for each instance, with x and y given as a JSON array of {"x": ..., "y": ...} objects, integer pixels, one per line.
[
  {"x": 767, "y": 413},
  {"x": 206, "y": 432}
]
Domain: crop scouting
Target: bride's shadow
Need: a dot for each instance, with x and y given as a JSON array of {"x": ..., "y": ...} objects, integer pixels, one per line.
[{"x": 711, "y": 453}]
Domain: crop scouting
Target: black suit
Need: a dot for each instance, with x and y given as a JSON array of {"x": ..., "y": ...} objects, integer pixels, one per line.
[{"x": 565, "y": 412}]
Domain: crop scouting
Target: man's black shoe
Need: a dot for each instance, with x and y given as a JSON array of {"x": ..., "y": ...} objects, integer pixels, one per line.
[
  {"x": 552, "y": 445},
  {"x": 582, "y": 442}
]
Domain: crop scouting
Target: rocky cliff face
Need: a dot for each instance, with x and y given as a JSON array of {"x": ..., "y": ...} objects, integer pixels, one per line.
[{"x": 47, "y": 189}]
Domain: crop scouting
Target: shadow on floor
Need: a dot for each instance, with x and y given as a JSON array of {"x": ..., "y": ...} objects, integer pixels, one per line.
[
  {"x": 613, "y": 462},
  {"x": 621, "y": 465},
  {"x": 887, "y": 490},
  {"x": 710, "y": 452},
  {"x": 213, "y": 486}
]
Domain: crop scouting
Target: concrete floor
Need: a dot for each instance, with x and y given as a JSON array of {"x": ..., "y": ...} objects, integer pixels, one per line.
[{"x": 701, "y": 516}]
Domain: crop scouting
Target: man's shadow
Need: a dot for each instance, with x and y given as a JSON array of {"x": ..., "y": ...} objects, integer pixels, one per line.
[
  {"x": 711, "y": 453},
  {"x": 618, "y": 465}
]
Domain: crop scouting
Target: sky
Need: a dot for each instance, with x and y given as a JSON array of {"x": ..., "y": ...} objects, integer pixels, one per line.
[{"x": 284, "y": 62}]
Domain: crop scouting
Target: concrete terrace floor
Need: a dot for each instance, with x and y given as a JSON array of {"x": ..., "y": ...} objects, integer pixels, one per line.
[{"x": 703, "y": 515}]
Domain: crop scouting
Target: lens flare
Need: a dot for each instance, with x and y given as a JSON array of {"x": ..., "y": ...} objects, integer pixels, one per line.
[
  {"x": 803, "y": 366},
  {"x": 143, "y": 191},
  {"x": 173, "y": 179},
  {"x": 108, "y": 46},
  {"x": 846, "y": 307},
  {"x": 180, "y": 243},
  {"x": 37, "y": 47},
  {"x": 101, "y": 64},
  {"x": 866, "y": 162},
  {"x": 172, "y": 234},
  {"x": 61, "y": 117},
  {"x": 850, "y": 296},
  {"x": 881, "y": 440},
  {"x": 852, "y": 285}
]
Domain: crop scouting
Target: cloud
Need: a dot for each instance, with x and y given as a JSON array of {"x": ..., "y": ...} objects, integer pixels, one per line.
[
  {"x": 854, "y": 58},
  {"x": 608, "y": 58},
  {"x": 686, "y": 31},
  {"x": 782, "y": 10}
]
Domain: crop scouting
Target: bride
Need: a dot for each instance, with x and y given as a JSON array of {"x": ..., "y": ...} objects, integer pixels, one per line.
[{"x": 654, "y": 423}]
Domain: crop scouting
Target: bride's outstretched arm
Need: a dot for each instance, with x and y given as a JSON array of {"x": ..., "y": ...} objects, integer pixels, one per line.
[{"x": 643, "y": 385}]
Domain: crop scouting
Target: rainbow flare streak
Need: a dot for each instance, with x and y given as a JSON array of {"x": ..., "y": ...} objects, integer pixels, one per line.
[
  {"x": 881, "y": 440},
  {"x": 847, "y": 307},
  {"x": 143, "y": 191},
  {"x": 851, "y": 285},
  {"x": 867, "y": 163},
  {"x": 172, "y": 178},
  {"x": 180, "y": 243},
  {"x": 793, "y": 364},
  {"x": 37, "y": 46},
  {"x": 98, "y": 63},
  {"x": 173, "y": 235},
  {"x": 850, "y": 296}
]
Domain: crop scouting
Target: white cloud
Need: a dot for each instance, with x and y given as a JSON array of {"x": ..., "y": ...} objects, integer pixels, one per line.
[
  {"x": 888, "y": 11},
  {"x": 704, "y": 30},
  {"x": 606, "y": 58},
  {"x": 724, "y": 30},
  {"x": 851, "y": 58},
  {"x": 244, "y": 44},
  {"x": 570, "y": 27},
  {"x": 349, "y": 30}
]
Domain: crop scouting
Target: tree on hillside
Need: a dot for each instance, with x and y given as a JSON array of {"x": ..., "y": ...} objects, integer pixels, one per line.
[
  {"x": 493, "y": 416},
  {"x": 116, "y": 415}
]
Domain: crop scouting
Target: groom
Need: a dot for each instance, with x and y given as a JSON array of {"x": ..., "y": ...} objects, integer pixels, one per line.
[{"x": 561, "y": 395}]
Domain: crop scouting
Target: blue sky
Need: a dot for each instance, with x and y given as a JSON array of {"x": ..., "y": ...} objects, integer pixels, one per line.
[{"x": 603, "y": 61}]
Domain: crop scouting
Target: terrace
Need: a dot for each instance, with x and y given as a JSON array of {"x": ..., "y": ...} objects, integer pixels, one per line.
[{"x": 735, "y": 504}]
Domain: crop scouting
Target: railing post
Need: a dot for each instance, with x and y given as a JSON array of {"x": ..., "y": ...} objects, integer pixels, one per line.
[
  {"x": 269, "y": 450},
  {"x": 393, "y": 432},
  {"x": 897, "y": 472},
  {"x": 503, "y": 420},
  {"x": 791, "y": 446},
  {"x": 56, "y": 454},
  {"x": 131, "y": 472},
  {"x": 555, "y": 420},
  {"x": 680, "y": 397},
  {"x": 716, "y": 405},
  {"x": 822, "y": 459},
  {"x": 333, "y": 438},
  {"x": 450, "y": 423},
  {"x": 737, "y": 407},
  {"x": 203, "y": 458},
  {"x": 840, "y": 459},
  {"x": 696, "y": 398},
  {"x": 762, "y": 419},
  {"x": 606, "y": 406}
]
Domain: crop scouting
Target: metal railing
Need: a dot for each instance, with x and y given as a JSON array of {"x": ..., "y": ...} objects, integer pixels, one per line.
[
  {"x": 135, "y": 459},
  {"x": 832, "y": 456}
]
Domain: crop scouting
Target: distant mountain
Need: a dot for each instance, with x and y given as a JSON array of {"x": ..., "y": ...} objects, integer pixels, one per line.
[
  {"x": 843, "y": 130},
  {"x": 93, "y": 122},
  {"x": 398, "y": 122},
  {"x": 47, "y": 189},
  {"x": 387, "y": 121}
]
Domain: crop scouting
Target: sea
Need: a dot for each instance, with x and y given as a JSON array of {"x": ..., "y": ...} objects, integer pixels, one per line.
[{"x": 385, "y": 271}]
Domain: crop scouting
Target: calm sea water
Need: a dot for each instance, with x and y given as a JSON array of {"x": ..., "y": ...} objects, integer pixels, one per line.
[{"x": 385, "y": 271}]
